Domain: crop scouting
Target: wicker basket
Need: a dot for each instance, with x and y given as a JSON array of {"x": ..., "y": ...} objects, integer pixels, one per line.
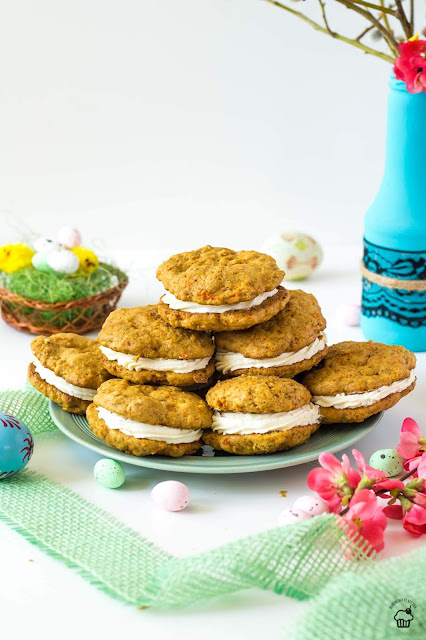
[{"x": 75, "y": 316}]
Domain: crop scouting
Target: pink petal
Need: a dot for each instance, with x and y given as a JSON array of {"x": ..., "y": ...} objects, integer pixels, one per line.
[
  {"x": 411, "y": 425},
  {"x": 416, "y": 515},
  {"x": 331, "y": 463},
  {"x": 393, "y": 511},
  {"x": 421, "y": 469},
  {"x": 408, "y": 446}
]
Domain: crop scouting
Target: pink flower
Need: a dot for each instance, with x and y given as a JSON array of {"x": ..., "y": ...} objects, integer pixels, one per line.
[
  {"x": 366, "y": 517},
  {"x": 366, "y": 470},
  {"x": 334, "y": 482},
  {"x": 410, "y": 66}
]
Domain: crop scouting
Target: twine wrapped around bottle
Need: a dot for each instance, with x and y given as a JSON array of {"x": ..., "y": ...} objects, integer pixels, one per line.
[{"x": 393, "y": 283}]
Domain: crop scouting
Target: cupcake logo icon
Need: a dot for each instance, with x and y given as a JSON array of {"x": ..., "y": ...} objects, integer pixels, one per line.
[
  {"x": 403, "y": 612},
  {"x": 403, "y": 617}
]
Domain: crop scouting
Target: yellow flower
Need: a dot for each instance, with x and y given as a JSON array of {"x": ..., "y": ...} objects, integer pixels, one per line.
[
  {"x": 88, "y": 260},
  {"x": 413, "y": 38},
  {"x": 14, "y": 257}
]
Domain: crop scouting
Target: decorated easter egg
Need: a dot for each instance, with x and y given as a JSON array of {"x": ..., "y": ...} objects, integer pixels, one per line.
[
  {"x": 312, "y": 505},
  {"x": 44, "y": 245},
  {"x": 39, "y": 261},
  {"x": 16, "y": 445},
  {"x": 62, "y": 261},
  {"x": 387, "y": 460},
  {"x": 109, "y": 473},
  {"x": 290, "y": 516},
  {"x": 295, "y": 253},
  {"x": 69, "y": 237},
  {"x": 171, "y": 495},
  {"x": 348, "y": 315}
]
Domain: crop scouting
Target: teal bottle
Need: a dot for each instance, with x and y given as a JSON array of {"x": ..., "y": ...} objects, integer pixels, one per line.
[{"x": 395, "y": 230}]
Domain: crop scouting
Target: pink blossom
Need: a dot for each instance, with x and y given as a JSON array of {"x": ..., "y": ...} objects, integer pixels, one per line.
[
  {"x": 410, "y": 66},
  {"x": 366, "y": 517},
  {"x": 334, "y": 481}
]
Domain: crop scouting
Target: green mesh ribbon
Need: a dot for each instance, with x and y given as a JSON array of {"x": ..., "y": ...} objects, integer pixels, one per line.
[{"x": 301, "y": 560}]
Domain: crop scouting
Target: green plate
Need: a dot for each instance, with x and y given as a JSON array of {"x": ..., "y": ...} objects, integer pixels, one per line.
[{"x": 328, "y": 438}]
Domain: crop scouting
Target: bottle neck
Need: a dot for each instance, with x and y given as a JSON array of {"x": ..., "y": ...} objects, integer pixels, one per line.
[{"x": 405, "y": 166}]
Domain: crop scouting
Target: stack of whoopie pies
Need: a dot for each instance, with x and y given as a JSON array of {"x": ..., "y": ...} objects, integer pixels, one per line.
[{"x": 227, "y": 330}]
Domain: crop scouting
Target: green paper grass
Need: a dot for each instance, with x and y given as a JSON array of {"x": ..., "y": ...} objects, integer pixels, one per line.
[{"x": 60, "y": 287}]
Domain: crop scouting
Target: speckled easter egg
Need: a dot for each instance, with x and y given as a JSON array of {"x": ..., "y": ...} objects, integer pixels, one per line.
[
  {"x": 387, "y": 460},
  {"x": 62, "y": 261},
  {"x": 291, "y": 516},
  {"x": 312, "y": 505},
  {"x": 348, "y": 315},
  {"x": 171, "y": 495},
  {"x": 296, "y": 253},
  {"x": 16, "y": 445},
  {"x": 69, "y": 237},
  {"x": 109, "y": 473}
]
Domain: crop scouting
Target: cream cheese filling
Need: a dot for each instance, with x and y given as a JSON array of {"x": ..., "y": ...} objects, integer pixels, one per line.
[
  {"x": 356, "y": 400},
  {"x": 148, "y": 431},
  {"x": 133, "y": 363},
  {"x": 192, "y": 307},
  {"x": 56, "y": 381},
  {"x": 234, "y": 423},
  {"x": 227, "y": 361}
]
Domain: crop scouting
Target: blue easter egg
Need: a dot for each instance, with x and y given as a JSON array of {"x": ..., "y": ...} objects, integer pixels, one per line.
[{"x": 16, "y": 445}]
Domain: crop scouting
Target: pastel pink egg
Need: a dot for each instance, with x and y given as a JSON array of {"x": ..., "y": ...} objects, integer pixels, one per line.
[
  {"x": 290, "y": 516},
  {"x": 69, "y": 237},
  {"x": 348, "y": 315},
  {"x": 171, "y": 495},
  {"x": 312, "y": 505}
]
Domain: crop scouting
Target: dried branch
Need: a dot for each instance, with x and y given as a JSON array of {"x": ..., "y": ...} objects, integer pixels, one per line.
[
  {"x": 364, "y": 33},
  {"x": 327, "y": 30},
  {"x": 407, "y": 27},
  {"x": 389, "y": 37}
]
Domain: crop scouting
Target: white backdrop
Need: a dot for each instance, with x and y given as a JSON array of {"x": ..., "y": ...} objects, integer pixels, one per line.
[{"x": 177, "y": 123}]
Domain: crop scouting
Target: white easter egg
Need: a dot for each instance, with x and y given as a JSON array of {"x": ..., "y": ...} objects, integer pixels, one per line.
[
  {"x": 45, "y": 244},
  {"x": 290, "y": 516},
  {"x": 312, "y": 505},
  {"x": 295, "y": 253},
  {"x": 62, "y": 261},
  {"x": 69, "y": 237}
]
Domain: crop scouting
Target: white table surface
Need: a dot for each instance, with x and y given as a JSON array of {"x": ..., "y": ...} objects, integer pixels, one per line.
[{"x": 50, "y": 600}]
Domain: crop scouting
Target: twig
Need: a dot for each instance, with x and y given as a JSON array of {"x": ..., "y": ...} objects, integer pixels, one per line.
[
  {"x": 324, "y": 17},
  {"x": 385, "y": 17},
  {"x": 337, "y": 36},
  {"x": 392, "y": 43},
  {"x": 408, "y": 29},
  {"x": 382, "y": 491},
  {"x": 382, "y": 8},
  {"x": 364, "y": 33}
]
